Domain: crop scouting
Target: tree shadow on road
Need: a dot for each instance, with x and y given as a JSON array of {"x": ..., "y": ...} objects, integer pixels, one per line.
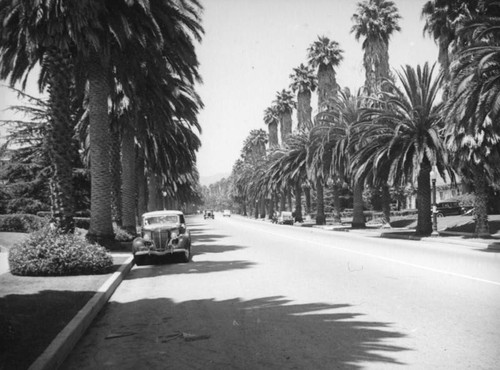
[
  {"x": 263, "y": 333},
  {"x": 173, "y": 267}
]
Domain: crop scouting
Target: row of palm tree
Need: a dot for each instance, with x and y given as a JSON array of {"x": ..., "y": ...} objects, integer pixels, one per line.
[
  {"x": 131, "y": 67},
  {"x": 395, "y": 130}
]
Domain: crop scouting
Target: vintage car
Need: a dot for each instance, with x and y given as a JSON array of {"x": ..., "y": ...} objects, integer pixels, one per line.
[
  {"x": 226, "y": 213},
  {"x": 448, "y": 209},
  {"x": 163, "y": 233},
  {"x": 208, "y": 214},
  {"x": 285, "y": 218}
]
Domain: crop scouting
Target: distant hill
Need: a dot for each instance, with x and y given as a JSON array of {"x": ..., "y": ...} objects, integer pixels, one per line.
[{"x": 207, "y": 180}]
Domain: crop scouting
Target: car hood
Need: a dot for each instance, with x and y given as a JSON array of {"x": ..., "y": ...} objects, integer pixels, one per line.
[{"x": 157, "y": 227}]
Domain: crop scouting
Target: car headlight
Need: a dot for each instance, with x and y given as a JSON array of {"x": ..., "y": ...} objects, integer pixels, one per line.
[
  {"x": 174, "y": 235},
  {"x": 147, "y": 235}
]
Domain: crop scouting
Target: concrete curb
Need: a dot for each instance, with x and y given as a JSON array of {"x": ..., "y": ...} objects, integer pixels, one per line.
[{"x": 57, "y": 351}]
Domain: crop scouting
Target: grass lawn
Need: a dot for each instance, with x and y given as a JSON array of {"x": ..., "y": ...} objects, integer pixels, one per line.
[{"x": 33, "y": 310}]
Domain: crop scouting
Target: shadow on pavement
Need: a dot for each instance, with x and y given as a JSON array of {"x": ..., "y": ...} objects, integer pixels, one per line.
[
  {"x": 172, "y": 267},
  {"x": 29, "y": 322},
  {"x": 198, "y": 249},
  {"x": 205, "y": 238},
  {"x": 263, "y": 333}
]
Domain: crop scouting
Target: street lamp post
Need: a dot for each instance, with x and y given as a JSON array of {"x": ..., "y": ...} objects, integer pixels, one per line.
[{"x": 433, "y": 175}]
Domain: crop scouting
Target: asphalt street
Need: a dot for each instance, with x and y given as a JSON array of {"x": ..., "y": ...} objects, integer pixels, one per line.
[{"x": 264, "y": 296}]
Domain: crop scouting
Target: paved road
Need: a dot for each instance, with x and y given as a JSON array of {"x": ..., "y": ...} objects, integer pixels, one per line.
[{"x": 262, "y": 296}]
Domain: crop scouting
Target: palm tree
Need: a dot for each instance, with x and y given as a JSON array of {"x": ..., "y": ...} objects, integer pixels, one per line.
[
  {"x": 271, "y": 119},
  {"x": 324, "y": 55},
  {"x": 376, "y": 21},
  {"x": 442, "y": 19},
  {"x": 303, "y": 83},
  {"x": 405, "y": 137},
  {"x": 89, "y": 36},
  {"x": 284, "y": 104},
  {"x": 334, "y": 131},
  {"x": 288, "y": 168},
  {"x": 472, "y": 108}
]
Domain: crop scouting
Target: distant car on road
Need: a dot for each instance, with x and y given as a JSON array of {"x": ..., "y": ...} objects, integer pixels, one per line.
[
  {"x": 208, "y": 214},
  {"x": 162, "y": 233},
  {"x": 285, "y": 218},
  {"x": 448, "y": 209},
  {"x": 226, "y": 213}
]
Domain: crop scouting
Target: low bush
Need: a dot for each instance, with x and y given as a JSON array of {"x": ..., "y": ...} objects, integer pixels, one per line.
[
  {"x": 122, "y": 235},
  {"x": 46, "y": 252},
  {"x": 22, "y": 223}
]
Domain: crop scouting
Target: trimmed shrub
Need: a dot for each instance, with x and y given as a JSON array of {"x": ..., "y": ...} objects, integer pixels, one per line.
[
  {"x": 22, "y": 223},
  {"x": 47, "y": 252},
  {"x": 122, "y": 235}
]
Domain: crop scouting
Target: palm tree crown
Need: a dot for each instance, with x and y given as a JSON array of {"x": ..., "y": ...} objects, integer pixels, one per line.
[
  {"x": 303, "y": 79},
  {"x": 324, "y": 52},
  {"x": 376, "y": 20}
]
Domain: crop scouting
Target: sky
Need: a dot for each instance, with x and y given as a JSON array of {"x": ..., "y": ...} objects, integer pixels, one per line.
[
  {"x": 250, "y": 48},
  {"x": 248, "y": 52}
]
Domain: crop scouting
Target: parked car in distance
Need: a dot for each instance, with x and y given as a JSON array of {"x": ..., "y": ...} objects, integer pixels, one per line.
[
  {"x": 163, "y": 233},
  {"x": 226, "y": 213},
  {"x": 208, "y": 214},
  {"x": 347, "y": 212},
  {"x": 448, "y": 209},
  {"x": 285, "y": 218}
]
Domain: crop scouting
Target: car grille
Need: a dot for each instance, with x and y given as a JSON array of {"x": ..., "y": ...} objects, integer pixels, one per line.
[{"x": 160, "y": 239}]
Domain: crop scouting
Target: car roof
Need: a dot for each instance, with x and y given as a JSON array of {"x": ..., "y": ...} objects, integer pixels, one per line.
[{"x": 162, "y": 213}]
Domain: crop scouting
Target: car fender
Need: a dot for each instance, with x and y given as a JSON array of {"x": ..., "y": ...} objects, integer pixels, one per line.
[{"x": 137, "y": 243}]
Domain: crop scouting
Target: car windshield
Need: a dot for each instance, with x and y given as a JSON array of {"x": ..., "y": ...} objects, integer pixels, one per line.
[{"x": 161, "y": 220}]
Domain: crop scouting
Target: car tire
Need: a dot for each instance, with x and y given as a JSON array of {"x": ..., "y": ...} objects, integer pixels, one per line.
[
  {"x": 139, "y": 261},
  {"x": 440, "y": 214},
  {"x": 187, "y": 257}
]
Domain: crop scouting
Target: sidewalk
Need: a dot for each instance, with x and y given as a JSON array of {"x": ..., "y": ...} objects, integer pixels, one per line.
[{"x": 446, "y": 237}]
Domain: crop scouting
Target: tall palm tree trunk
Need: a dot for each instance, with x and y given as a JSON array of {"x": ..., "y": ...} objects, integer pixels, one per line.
[
  {"x": 481, "y": 202},
  {"x": 336, "y": 203},
  {"x": 101, "y": 228},
  {"x": 386, "y": 204},
  {"x": 59, "y": 137},
  {"x": 289, "y": 200},
  {"x": 271, "y": 205},
  {"x": 320, "y": 201},
  {"x": 424, "y": 219},
  {"x": 286, "y": 127},
  {"x": 304, "y": 109},
  {"x": 262, "y": 204},
  {"x": 129, "y": 181},
  {"x": 307, "y": 196},
  {"x": 298, "y": 203},
  {"x": 358, "y": 216},
  {"x": 116, "y": 176},
  {"x": 245, "y": 206},
  {"x": 152, "y": 192},
  {"x": 282, "y": 202},
  {"x": 273, "y": 135},
  {"x": 142, "y": 187}
]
